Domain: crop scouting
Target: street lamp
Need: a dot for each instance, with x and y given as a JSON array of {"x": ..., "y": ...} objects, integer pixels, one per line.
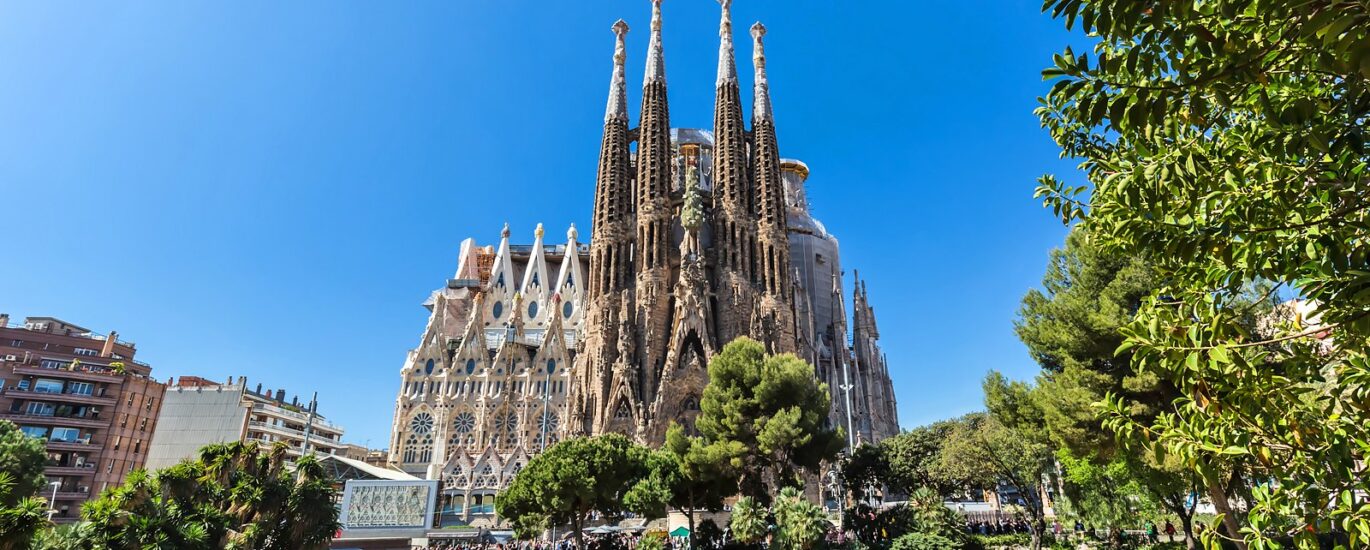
[{"x": 52, "y": 503}]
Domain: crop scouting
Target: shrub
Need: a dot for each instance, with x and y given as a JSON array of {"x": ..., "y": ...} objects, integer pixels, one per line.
[{"x": 923, "y": 541}]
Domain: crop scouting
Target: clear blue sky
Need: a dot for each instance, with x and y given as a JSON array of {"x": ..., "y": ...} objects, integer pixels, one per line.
[{"x": 271, "y": 189}]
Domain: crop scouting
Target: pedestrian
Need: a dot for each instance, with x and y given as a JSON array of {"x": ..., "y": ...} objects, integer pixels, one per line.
[
  {"x": 1151, "y": 532},
  {"x": 1170, "y": 530}
]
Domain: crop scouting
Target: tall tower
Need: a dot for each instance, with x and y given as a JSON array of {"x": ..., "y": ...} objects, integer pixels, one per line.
[
  {"x": 734, "y": 222},
  {"x": 655, "y": 224},
  {"x": 611, "y": 253},
  {"x": 773, "y": 248}
]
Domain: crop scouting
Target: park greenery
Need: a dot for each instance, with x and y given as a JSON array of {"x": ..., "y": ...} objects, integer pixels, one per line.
[
  {"x": 761, "y": 433},
  {"x": 1224, "y": 143},
  {"x": 234, "y": 495}
]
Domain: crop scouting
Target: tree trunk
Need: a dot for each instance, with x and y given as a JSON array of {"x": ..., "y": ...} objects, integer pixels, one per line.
[
  {"x": 691, "y": 520},
  {"x": 1187, "y": 525},
  {"x": 1224, "y": 509},
  {"x": 576, "y": 523}
]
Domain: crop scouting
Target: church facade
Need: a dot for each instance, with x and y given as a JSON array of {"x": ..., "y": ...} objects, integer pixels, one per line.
[{"x": 698, "y": 237}]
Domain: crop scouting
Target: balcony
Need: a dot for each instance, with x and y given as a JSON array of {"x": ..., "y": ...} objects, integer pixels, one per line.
[
  {"x": 302, "y": 417},
  {"x": 87, "y": 469},
  {"x": 61, "y": 397},
  {"x": 49, "y": 420},
  {"x": 77, "y": 445},
  {"x": 65, "y": 374}
]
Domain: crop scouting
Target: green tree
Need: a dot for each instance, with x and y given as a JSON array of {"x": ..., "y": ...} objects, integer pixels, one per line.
[
  {"x": 708, "y": 473},
  {"x": 1072, "y": 328},
  {"x": 910, "y": 460},
  {"x": 22, "y": 520},
  {"x": 1225, "y": 141},
  {"x": 799, "y": 524},
  {"x": 981, "y": 447},
  {"x": 747, "y": 523},
  {"x": 773, "y": 410},
  {"x": 22, "y": 457},
  {"x": 233, "y": 496},
  {"x": 580, "y": 475}
]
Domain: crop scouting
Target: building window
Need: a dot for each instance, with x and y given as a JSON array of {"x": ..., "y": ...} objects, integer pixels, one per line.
[
  {"x": 45, "y": 385},
  {"x": 137, "y": 445},
  {"x": 87, "y": 352},
  {"x": 118, "y": 440},
  {"x": 80, "y": 388},
  {"x": 17, "y": 343},
  {"x": 66, "y": 435},
  {"x": 130, "y": 400},
  {"x": 123, "y": 421},
  {"x": 110, "y": 467},
  {"x": 38, "y": 408},
  {"x": 34, "y": 431},
  {"x": 53, "y": 364},
  {"x": 142, "y": 425},
  {"x": 147, "y": 405}
]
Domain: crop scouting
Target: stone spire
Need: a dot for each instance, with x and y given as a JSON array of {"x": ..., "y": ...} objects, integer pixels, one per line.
[
  {"x": 773, "y": 248},
  {"x": 655, "y": 221},
  {"x": 611, "y": 239},
  {"x": 656, "y": 60},
  {"x": 734, "y": 218},
  {"x": 618, "y": 84},
  {"x": 654, "y": 159},
  {"x": 727, "y": 65},
  {"x": 762, "y": 102}
]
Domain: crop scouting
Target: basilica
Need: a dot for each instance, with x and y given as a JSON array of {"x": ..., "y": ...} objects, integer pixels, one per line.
[{"x": 699, "y": 237}]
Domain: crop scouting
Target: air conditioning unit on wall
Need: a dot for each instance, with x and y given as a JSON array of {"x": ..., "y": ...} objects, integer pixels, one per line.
[{"x": 11, "y": 358}]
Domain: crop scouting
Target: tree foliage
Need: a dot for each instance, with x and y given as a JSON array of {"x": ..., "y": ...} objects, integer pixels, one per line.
[
  {"x": 1072, "y": 328},
  {"x": 607, "y": 474},
  {"x": 772, "y": 410},
  {"x": 233, "y": 496},
  {"x": 800, "y": 524},
  {"x": 20, "y": 521},
  {"x": 747, "y": 523},
  {"x": 23, "y": 458},
  {"x": 1225, "y": 142},
  {"x": 985, "y": 448}
]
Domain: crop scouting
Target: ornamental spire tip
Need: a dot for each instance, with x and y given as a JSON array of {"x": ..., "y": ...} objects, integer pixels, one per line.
[
  {"x": 656, "y": 60},
  {"x": 727, "y": 65}
]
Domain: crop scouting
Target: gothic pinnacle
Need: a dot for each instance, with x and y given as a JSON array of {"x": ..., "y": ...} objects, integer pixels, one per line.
[
  {"x": 762, "y": 106},
  {"x": 656, "y": 60},
  {"x": 727, "y": 64},
  {"x": 618, "y": 87}
]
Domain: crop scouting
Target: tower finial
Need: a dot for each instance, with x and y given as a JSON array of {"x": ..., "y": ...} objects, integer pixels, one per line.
[
  {"x": 571, "y": 233},
  {"x": 656, "y": 60},
  {"x": 505, "y": 233},
  {"x": 539, "y": 231},
  {"x": 727, "y": 64},
  {"x": 618, "y": 85},
  {"x": 762, "y": 106}
]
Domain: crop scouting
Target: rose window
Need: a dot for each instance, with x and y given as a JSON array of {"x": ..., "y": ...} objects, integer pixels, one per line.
[
  {"x": 421, "y": 424},
  {"x": 464, "y": 422}
]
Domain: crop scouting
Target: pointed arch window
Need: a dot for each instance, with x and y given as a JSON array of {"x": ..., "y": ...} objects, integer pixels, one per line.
[{"x": 623, "y": 410}]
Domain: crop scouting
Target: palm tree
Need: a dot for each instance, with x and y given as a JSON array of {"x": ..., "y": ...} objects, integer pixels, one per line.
[
  {"x": 18, "y": 524},
  {"x": 748, "y": 521},
  {"x": 801, "y": 524}
]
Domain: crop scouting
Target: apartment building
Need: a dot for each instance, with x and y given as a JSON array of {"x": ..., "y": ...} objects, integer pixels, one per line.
[
  {"x": 196, "y": 412},
  {"x": 85, "y": 394}
]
